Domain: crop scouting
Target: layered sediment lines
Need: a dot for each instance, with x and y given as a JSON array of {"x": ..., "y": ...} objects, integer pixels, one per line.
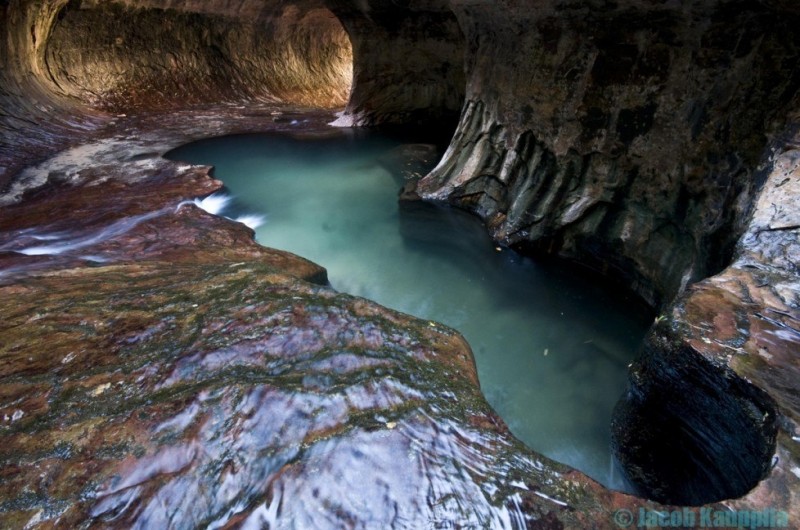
[
  {"x": 630, "y": 138},
  {"x": 652, "y": 141}
]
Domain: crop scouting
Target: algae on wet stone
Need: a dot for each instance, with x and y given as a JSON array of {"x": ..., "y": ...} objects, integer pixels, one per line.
[{"x": 148, "y": 320}]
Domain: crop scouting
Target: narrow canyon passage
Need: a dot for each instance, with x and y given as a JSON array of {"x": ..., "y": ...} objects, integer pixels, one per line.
[
  {"x": 552, "y": 348},
  {"x": 160, "y": 368}
]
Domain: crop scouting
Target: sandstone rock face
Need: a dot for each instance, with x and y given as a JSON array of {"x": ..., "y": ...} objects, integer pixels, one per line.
[
  {"x": 627, "y": 136},
  {"x": 712, "y": 406},
  {"x": 654, "y": 141},
  {"x": 713, "y": 403},
  {"x": 66, "y": 65},
  {"x": 773, "y": 233},
  {"x": 163, "y": 370},
  {"x": 36, "y": 120},
  {"x": 124, "y": 59},
  {"x": 409, "y": 63}
]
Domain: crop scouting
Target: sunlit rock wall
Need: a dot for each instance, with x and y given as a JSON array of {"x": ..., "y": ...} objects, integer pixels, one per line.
[
  {"x": 122, "y": 58},
  {"x": 628, "y": 135},
  {"x": 66, "y": 65}
]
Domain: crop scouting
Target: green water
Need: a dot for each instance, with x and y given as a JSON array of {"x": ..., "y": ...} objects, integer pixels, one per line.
[{"x": 551, "y": 347}]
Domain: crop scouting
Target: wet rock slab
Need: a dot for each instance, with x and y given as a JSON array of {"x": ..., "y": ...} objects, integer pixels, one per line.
[
  {"x": 160, "y": 394},
  {"x": 168, "y": 394},
  {"x": 161, "y": 369}
]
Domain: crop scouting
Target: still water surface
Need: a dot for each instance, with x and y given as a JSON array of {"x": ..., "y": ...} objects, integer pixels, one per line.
[{"x": 551, "y": 347}]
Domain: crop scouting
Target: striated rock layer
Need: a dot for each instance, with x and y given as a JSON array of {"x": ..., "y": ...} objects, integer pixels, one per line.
[
  {"x": 121, "y": 59},
  {"x": 627, "y": 136},
  {"x": 160, "y": 369}
]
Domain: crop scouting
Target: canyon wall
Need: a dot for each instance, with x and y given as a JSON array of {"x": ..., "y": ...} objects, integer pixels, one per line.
[
  {"x": 408, "y": 63},
  {"x": 653, "y": 141},
  {"x": 124, "y": 59},
  {"x": 68, "y": 65},
  {"x": 628, "y": 136},
  {"x": 656, "y": 142},
  {"x": 632, "y": 137},
  {"x": 36, "y": 120}
]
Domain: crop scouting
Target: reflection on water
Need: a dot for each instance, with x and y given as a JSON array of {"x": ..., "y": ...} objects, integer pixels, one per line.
[{"x": 551, "y": 348}]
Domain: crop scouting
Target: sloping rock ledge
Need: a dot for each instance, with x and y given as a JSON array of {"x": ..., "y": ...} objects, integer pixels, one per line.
[{"x": 166, "y": 370}]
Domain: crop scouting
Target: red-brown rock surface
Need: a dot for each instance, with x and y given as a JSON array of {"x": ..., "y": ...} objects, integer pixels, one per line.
[
  {"x": 164, "y": 370},
  {"x": 161, "y": 369}
]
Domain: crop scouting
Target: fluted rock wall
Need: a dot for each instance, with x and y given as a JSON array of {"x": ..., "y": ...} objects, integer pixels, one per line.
[
  {"x": 119, "y": 58},
  {"x": 641, "y": 138},
  {"x": 626, "y": 136}
]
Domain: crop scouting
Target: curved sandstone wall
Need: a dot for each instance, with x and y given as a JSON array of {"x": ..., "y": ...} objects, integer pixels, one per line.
[
  {"x": 36, "y": 120},
  {"x": 68, "y": 63},
  {"x": 408, "y": 63},
  {"x": 120, "y": 58},
  {"x": 626, "y": 136},
  {"x": 643, "y": 139}
]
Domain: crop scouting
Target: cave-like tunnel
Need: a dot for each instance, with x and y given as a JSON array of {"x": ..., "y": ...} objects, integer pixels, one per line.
[
  {"x": 120, "y": 59},
  {"x": 160, "y": 369}
]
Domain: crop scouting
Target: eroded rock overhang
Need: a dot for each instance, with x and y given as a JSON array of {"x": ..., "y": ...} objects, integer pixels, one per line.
[{"x": 654, "y": 142}]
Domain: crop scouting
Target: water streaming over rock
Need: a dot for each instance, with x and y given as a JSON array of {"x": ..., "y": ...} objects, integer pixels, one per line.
[{"x": 551, "y": 347}]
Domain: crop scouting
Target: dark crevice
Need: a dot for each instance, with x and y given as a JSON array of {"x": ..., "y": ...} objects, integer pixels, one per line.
[{"x": 689, "y": 432}]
